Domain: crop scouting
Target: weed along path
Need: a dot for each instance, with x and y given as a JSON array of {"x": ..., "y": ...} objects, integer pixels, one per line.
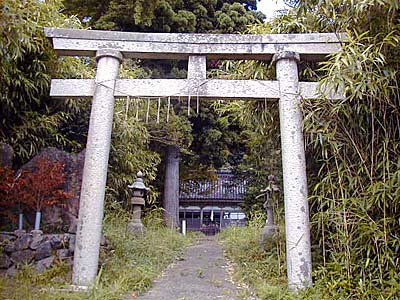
[{"x": 202, "y": 273}]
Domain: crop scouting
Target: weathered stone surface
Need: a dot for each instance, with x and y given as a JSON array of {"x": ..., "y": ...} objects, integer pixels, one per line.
[
  {"x": 95, "y": 171},
  {"x": 36, "y": 241},
  {"x": 36, "y": 232},
  {"x": 9, "y": 247},
  {"x": 71, "y": 245},
  {"x": 56, "y": 242},
  {"x": 312, "y": 46},
  {"x": 204, "y": 89},
  {"x": 7, "y": 237},
  {"x": 23, "y": 242},
  {"x": 22, "y": 256},
  {"x": 197, "y": 67},
  {"x": 68, "y": 236},
  {"x": 136, "y": 228},
  {"x": 5, "y": 261},
  {"x": 63, "y": 253},
  {"x": 73, "y": 225},
  {"x": 12, "y": 271},
  {"x": 103, "y": 241},
  {"x": 201, "y": 274},
  {"x": 19, "y": 232},
  {"x": 298, "y": 243},
  {"x": 57, "y": 216},
  {"x": 43, "y": 251},
  {"x": 44, "y": 264},
  {"x": 6, "y": 155}
]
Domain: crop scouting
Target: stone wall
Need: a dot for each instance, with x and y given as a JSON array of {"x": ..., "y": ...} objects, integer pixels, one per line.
[{"x": 36, "y": 249}]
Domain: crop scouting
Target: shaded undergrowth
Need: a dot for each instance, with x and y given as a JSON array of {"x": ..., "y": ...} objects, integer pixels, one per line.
[{"x": 128, "y": 265}]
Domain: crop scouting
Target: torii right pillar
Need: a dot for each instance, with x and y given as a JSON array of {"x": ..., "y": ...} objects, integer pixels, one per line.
[{"x": 297, "y": 223}]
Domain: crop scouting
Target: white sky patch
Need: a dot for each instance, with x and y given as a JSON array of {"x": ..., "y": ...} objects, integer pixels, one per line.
[{"x": 268, "y": 7}]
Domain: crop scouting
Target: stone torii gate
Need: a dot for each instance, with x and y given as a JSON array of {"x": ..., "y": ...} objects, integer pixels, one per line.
[{"x": 110, "y": 48}]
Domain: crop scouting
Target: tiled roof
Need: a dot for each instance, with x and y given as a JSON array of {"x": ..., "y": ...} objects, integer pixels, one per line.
[{"x": 227, "y": 187}]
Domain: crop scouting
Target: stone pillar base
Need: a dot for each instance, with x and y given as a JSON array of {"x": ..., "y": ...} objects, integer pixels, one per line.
[{"x": 136, "y": 228}]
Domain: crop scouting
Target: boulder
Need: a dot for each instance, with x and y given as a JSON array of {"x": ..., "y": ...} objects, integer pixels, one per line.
[
  {"x": 23, "y": 242},
  {"x": 37, "y": 240},
  {"x": 22, "y": 256},
  {"x": 43, "y": 251},
  {"x": 44, "y": 264},
  {"x": 63, "y": 253},
  {"x": 10, "y": 247},
  {"x": 6, "y": 237},
  {"x": 19, "y": 232},
  {"x": 6, "y": 155},
  {"x": 5, "y": 261},
  {"x": 57, "y": 242},
  {"x": 12, "y": 271}
]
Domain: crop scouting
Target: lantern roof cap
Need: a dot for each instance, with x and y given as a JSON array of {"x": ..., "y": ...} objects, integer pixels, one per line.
[{"x": 138, "y": 184}]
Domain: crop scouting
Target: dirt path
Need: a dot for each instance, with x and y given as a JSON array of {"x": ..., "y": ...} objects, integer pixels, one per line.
[{"x": 201, "y": 274}]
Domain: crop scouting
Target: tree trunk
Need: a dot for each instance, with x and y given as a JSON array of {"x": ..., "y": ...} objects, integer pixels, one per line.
[{"x": 171, "y": 186}]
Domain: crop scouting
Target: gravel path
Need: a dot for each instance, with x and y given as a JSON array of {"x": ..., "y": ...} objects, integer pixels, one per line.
[{"x": 202, "y": 274}]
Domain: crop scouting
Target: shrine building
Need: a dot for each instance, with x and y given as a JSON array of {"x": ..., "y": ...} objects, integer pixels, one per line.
[{"x": 210, "y": 205}]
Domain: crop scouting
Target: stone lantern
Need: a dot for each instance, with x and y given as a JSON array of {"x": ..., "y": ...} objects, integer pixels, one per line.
[
  {"x": 270, "y": 228},
  {"x": 140, "y": 191}
]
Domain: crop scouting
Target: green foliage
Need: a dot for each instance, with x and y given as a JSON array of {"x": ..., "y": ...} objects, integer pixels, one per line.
[
  {"x": 216, "y": 140},
  {"x": 352, "y": 146},
  {"x": 209, "y": 150},
  {"x": 135, "y": 262},
  {"x": 167, "y": 15},
  {"x": 234, "y": 18},
  {"x": 261, "y": 266},
  {"x": 355, "y": 149},
  {"x": 175, "y": 131},
  {"x": 259, "y": 124},
  {"x": 121, "y": 14},
  {"x": 128, "y": 265},
  {"x": 138, "y": 142},
  {"x": 29, "y": 119},
  {"x": 129, "y": 154}
]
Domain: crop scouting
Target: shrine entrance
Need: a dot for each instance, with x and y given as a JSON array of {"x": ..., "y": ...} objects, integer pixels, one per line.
[{"x": 110, "y": 48}]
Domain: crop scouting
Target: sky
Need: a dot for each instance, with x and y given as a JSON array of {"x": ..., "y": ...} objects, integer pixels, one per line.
[{"x": 268, "y": 7}]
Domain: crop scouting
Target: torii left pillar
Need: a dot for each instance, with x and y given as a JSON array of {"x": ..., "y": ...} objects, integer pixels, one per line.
[{"x": 91, "y": 207}]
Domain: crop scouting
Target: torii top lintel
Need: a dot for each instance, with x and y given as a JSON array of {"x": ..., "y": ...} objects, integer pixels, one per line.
[{"x": 310, "y": 46}]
